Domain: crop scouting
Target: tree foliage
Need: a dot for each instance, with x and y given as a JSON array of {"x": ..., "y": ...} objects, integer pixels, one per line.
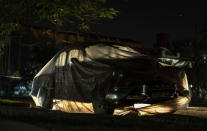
[
  {"x": 55, "y": 14},
  {"x": 17, "y": 17}
]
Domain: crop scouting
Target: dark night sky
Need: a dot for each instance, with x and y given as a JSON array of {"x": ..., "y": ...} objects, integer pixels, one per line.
[{"x": 141, "y": 20}]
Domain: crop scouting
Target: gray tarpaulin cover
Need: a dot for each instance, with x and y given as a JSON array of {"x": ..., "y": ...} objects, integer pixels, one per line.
[{"x": 70, "y": 82}]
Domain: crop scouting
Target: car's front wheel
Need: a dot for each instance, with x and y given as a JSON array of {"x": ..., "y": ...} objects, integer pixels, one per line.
[
  {"x": 103, "y": 107},
  {"x": 100, "y": 105}
]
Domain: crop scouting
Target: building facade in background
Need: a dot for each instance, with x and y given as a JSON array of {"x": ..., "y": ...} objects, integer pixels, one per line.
[{"x": 16, "y": 49}]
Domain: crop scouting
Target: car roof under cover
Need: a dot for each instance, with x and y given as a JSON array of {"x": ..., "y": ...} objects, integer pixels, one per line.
[
  {"x": 93, "y": 52},
  {"x": 106, "y": 51}
]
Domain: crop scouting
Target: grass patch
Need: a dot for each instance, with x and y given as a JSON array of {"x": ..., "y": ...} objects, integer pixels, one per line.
[
  {"x": 16, "y": 101},
  {"x": 8, "y": 101}
]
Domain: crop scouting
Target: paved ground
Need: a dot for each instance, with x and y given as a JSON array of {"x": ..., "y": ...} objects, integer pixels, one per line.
[
  {"x": 194, "y": 118},
  {"x": 9, "y": 125},
  {"x": 190, "y": 111},
  {"x": 193, "y": 111}
]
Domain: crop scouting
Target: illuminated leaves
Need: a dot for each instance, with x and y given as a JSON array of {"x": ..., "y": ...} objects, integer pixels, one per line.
[
  {"x": 16, "y": 15},
  {"x": 8, "y": 28},
  {"x": 55, "y": 13}
]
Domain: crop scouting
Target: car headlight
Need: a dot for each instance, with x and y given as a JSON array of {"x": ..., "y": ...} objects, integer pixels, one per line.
[
  {"x": 116, "y": 88},
  {"x": 117, "y": 74},
  {"x": 144, "y": 89},
  {"x": 111, "y": 97}
]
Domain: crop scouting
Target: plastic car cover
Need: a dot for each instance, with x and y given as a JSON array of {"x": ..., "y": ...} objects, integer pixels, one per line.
[
  {"x": 70, "y": 77},
  {"x": 73, "y": 81},
  {"x": 168, "y": 106}
]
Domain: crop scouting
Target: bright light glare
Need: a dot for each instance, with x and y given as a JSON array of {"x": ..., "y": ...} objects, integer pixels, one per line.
[{"x": 140, "y": 105}]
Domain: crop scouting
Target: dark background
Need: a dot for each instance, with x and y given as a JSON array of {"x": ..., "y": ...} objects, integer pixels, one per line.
[{"x": 141, "y": 20}]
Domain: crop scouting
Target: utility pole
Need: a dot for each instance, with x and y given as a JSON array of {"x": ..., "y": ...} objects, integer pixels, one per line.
[
  {"x": 9, "y": 56},
  {"x": 19, "y": 52}
]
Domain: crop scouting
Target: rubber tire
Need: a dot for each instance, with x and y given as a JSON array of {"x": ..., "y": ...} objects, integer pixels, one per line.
[{"x": 100, "y": 105}]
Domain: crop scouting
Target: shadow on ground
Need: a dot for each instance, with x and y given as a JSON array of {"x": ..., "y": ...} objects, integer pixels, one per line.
[{"x": 24, "y": 118}]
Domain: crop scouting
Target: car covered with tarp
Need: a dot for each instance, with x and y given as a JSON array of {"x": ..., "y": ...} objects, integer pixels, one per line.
[{"x": 102, "y": 77}]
